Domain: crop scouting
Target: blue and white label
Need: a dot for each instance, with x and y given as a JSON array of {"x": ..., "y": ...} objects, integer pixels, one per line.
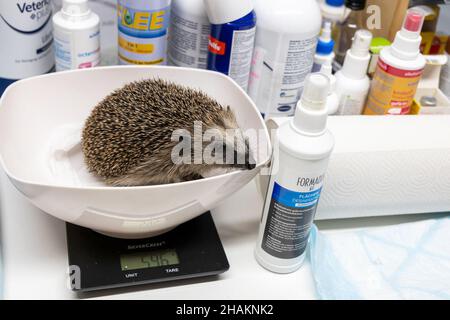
[
  {"x": 291, "y": 214},
  {"x": 295, "y": 199}
]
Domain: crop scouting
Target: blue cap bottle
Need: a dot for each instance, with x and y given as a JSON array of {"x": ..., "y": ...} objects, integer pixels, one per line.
[
  {"x": 231, "y": 42},
  {"x": 325, "y": 48}
]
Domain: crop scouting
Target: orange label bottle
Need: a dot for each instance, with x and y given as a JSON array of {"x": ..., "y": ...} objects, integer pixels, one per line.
[{"x": 392, "y": 91}]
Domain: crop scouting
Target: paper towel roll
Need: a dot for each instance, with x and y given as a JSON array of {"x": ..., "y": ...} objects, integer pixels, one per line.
[{"x": 386, "y": 166}]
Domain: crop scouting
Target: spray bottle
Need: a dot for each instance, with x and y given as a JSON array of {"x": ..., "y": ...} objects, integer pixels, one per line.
[
  {"x": 232, "y": 38},
  {"x": 352, "y": 82},
  {"x": 399, "y": 70},
  {"x": 76, "y": 32},
  {"x": 324, "y": 52},
  {"x": 297, "y": 177}
]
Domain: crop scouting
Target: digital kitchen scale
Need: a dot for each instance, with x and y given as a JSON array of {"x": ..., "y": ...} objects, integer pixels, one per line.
[{"x": 191, "y": 250}]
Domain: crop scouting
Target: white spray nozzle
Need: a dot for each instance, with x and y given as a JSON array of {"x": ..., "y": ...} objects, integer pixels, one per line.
[
  {"x": 325, "y": 35},
  {"x": 361, "y": 43},
  {"x": 316, "y": 91},
  {"x": 75, "y": 7}
]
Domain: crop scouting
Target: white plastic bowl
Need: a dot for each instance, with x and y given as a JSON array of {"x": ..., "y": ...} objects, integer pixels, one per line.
[{"x": 32, "y": 110}]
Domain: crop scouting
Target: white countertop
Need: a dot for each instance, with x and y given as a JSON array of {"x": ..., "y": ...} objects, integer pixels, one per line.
[{"x": 35, "y": 257}]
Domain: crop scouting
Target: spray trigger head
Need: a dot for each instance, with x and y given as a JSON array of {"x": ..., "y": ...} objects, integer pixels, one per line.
[{"x": 413, "y": 23}]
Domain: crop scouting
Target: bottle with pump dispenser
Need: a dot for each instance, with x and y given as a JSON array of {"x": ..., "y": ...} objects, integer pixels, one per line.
[
  {"x": 352, "y": 81},
  {"x": 77, "y": 36},
  {"x": 332, "y": 99},
  {"x": 355, "y": 20},
  {"x": 296, "y": 181},
  {"x": 399, "y": 70},
  {"x": 286, "y": 40},
  {"x": 325, "y": 46},
  {"x": 232, "y": 38}
]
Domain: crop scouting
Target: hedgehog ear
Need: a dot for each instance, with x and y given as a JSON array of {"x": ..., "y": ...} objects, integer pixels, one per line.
[{"x": 228, "y": 109}]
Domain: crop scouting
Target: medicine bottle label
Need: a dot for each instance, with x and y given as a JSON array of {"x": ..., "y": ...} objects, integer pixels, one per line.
[
  {"x": 77, "y": 50},
  {"x": 352, "y": 104},
  {"x": 291, "y": 214},
  {"x": 26, "y": 39},
  {"x": 143, "y": 31},
  {"x": 392, "y": 91},
  {"x": 241, "y": 56},
  {"x": 188, "y": 45},
  {"x": 278, "y": 76}
]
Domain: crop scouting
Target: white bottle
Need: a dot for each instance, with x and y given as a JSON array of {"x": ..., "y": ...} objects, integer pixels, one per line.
[
  {"x": 352, "y": 82},
  {"x": 325, "y": 48},
  {"x": 332, "y": 99},
  {"x": 333, "y": 10},
  {"x": 284, "y": 53},
  {"x": 296, "y": 181},
  {"x": 77, "y": 36},
  {"x": 25, "y": 40},
  {"x": 188, "y": 34}
]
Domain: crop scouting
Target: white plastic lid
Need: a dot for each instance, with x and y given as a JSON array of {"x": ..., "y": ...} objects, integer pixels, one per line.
[
  {"x": 75, "y": 7},
  {"x": 312, "y": 113},
  {"x": 361, "y": 43},
  {"x": 412, "y": 25},
  {"x": 224, "y": 11},
  {"x": 316, "y": 91}
]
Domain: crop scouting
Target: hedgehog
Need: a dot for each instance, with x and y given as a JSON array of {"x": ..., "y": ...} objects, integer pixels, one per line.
[{"x": 128, "y": 138}]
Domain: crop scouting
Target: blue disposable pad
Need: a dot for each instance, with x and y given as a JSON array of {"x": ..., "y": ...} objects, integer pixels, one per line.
[{"x": 405, "y": 261}]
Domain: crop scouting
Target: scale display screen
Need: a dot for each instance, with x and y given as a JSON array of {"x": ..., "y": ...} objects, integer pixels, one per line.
[{"x": 152, "y": 259}]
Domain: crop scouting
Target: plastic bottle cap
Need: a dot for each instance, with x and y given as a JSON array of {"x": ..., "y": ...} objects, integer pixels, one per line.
[
  {"x": 361, "y": 43},
  {"x": 412, "y": 26},
  {"x": 75, "y": 7},
  {"x": 335, "y": 3},
  {"x": 355, "y": 5},
  {"x": 316, "y": 91},
  {"x": 312, "y": 111},
  {"x": 225, "y": 11},
  {"x": 325, "y": 45},
  {"x": 413, "y": 21}
]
